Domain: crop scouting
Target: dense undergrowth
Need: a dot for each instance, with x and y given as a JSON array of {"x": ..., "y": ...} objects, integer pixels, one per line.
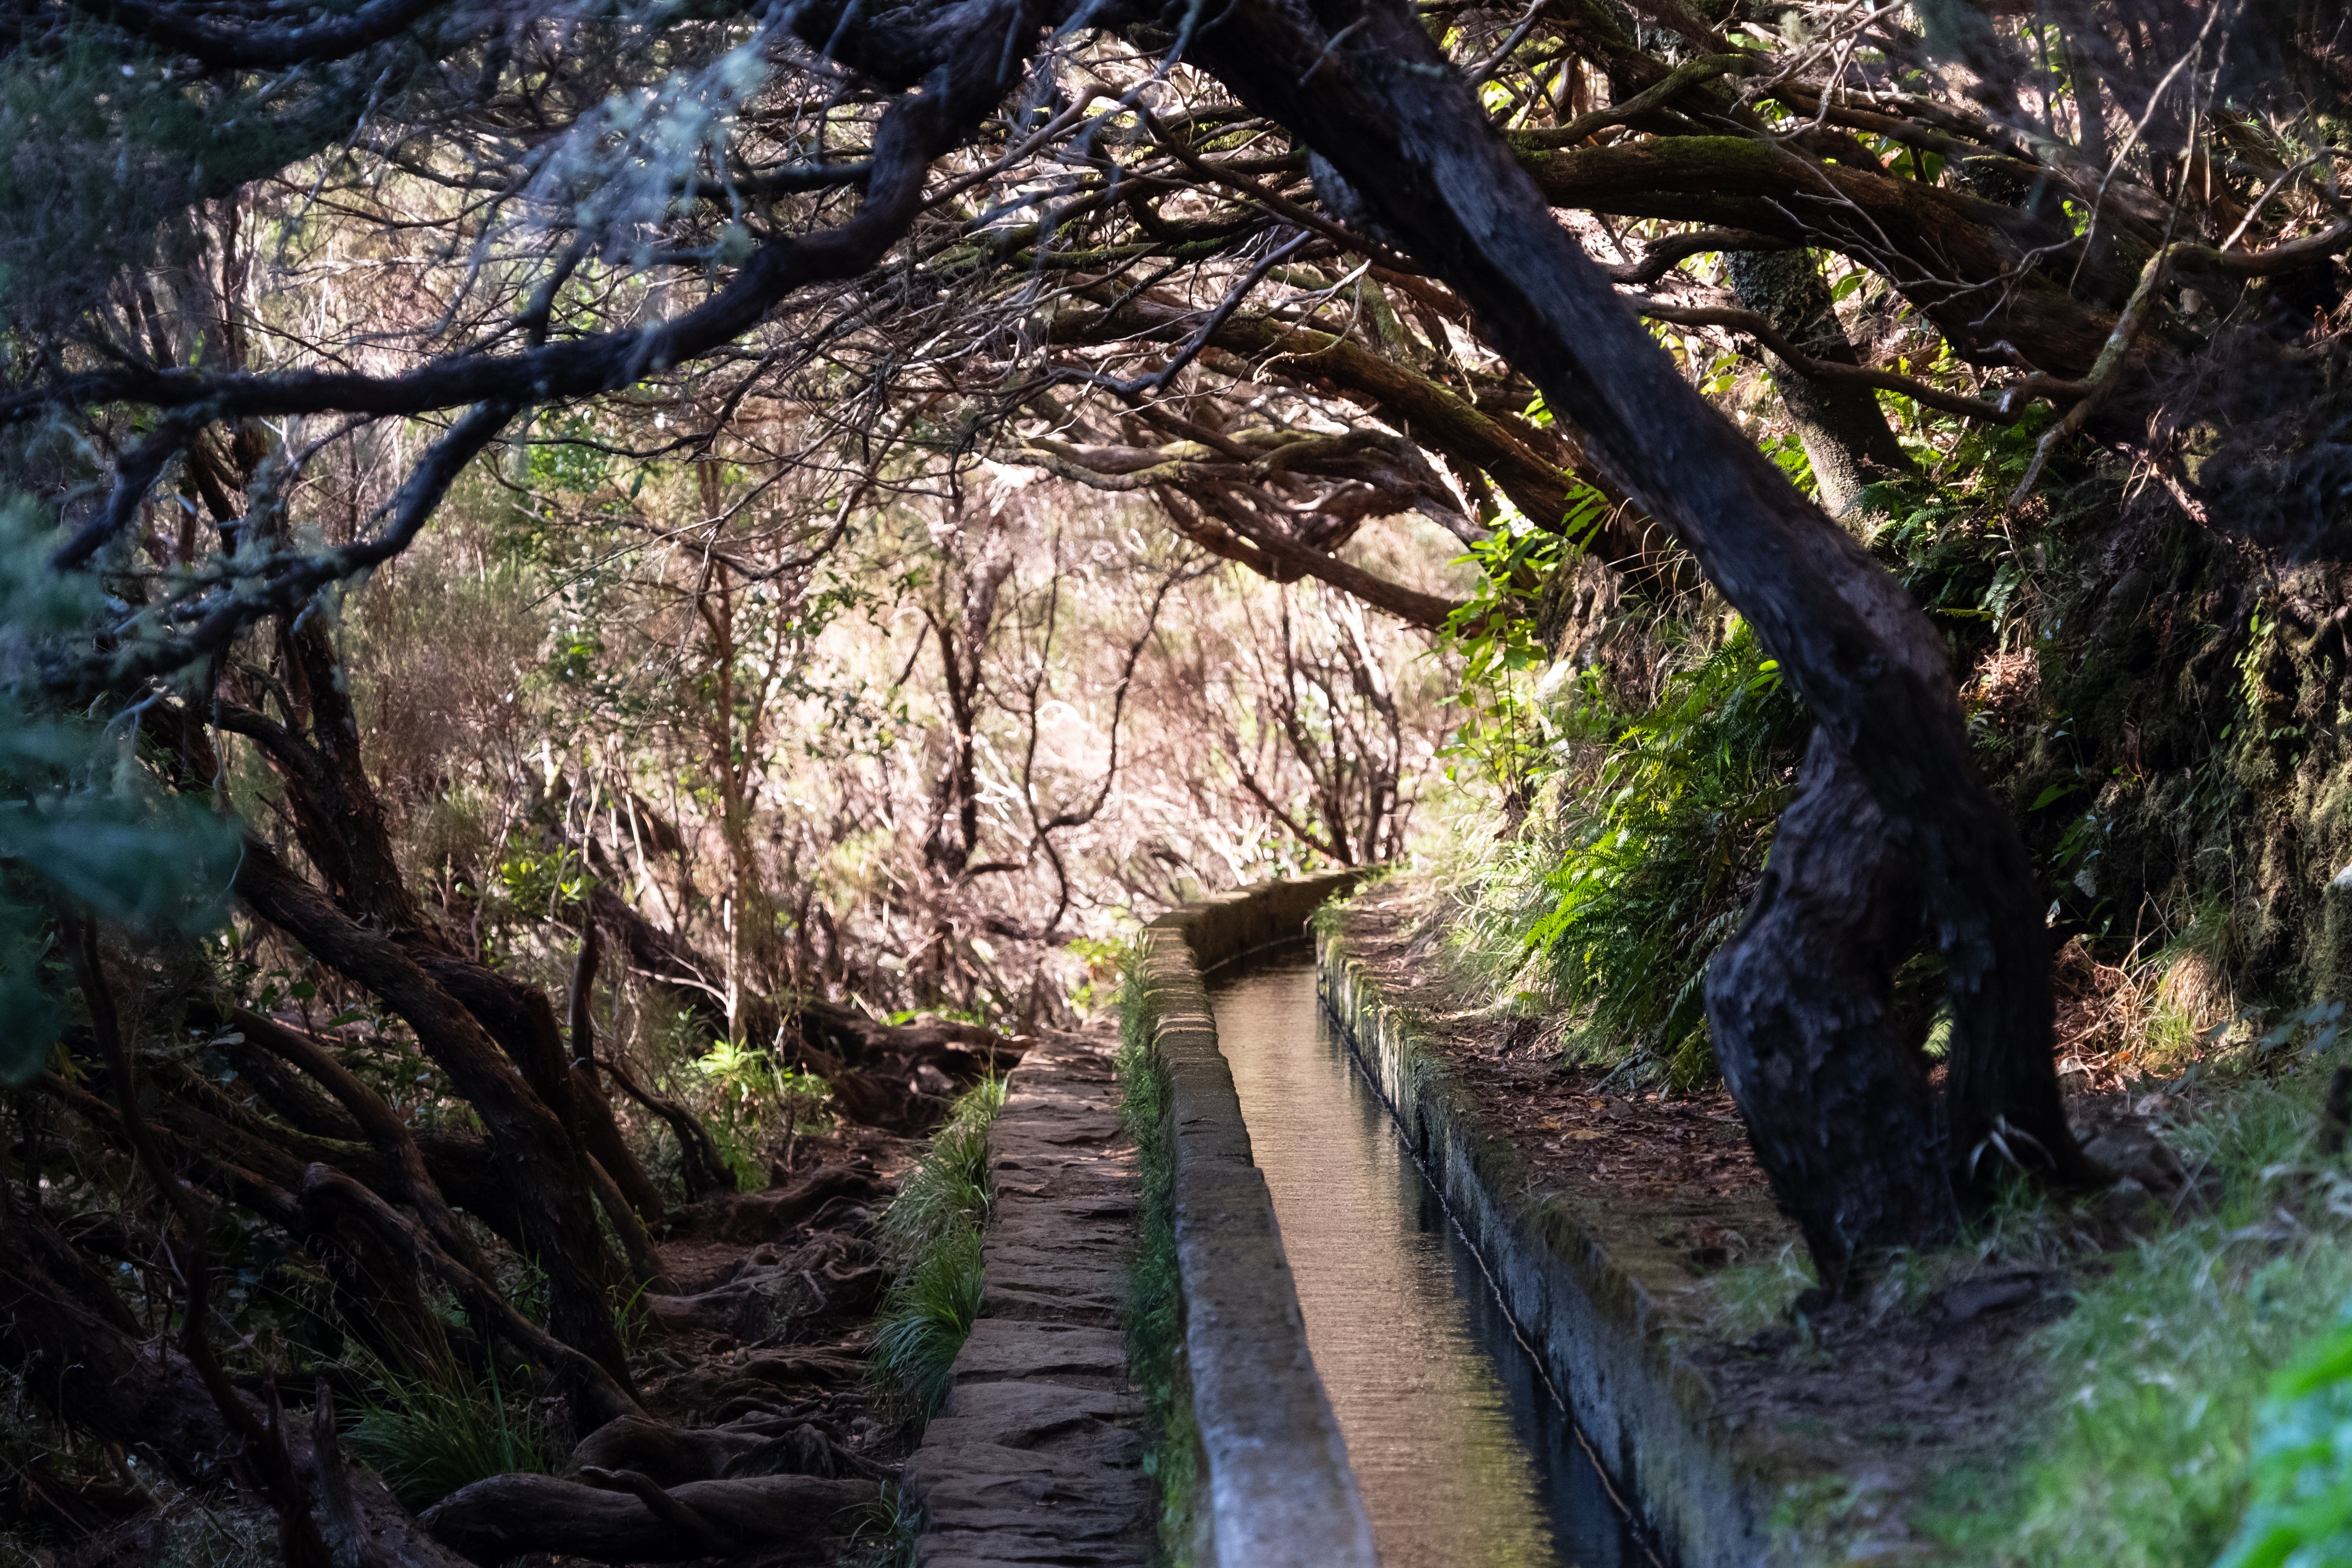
[
  {"x": 2167, "y": 721},
  {"x": 1648, "y": 828},
  {"x": 1662, "y": 845},
  {"x": 2175, "y": 759}
]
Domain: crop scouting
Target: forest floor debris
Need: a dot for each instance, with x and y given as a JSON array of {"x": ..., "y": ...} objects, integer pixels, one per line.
[{"x": 763, "y": 1438}]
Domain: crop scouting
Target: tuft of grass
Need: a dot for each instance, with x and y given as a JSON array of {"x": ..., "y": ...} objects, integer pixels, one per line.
[
  {"x": 633, "y": 1319},
  {"x": 2143, "y": 1454},
  {"x": 429, "y": 1435},
  {"x": 949, "y": 1186},
  {"x": 925, "y": 1320},
  {"x": 1154, "y": 1288},
  {"x": 1751, "y": 1297},
  {"x": 931, "y": 1233},
  {"x": 887, "y": 1530}
]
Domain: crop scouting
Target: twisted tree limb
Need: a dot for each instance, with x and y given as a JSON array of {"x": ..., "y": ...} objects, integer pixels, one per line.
[
  {"x": 263, "y": 1442},
  {"x": 1387, "y": 109}
]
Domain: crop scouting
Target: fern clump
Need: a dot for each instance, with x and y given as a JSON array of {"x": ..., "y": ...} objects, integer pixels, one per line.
[{"x": 1661, "y": 849}]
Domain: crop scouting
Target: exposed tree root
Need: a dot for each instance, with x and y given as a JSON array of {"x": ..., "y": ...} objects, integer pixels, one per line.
[{"x": 638, "y": 1521}]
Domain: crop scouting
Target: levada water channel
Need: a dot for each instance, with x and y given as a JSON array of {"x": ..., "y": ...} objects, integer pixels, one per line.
[{"x": 1464, "y": 1458}]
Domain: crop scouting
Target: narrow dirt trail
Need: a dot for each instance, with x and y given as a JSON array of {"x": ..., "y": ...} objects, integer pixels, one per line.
[{"x": 759, "y": 1444}]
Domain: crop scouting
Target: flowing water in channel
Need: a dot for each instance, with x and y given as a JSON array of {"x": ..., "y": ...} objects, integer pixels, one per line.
[{"x": 1463, "y": 1460}]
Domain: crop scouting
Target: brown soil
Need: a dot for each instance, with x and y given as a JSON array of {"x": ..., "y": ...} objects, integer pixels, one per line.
[
  {"x": 1858, "y": 1405},
  {"x": 1578, "y": 1130}
]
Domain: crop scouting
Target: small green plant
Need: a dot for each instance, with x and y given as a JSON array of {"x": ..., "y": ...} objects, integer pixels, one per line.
[
  {"x": 523, "y": 1282},
  {"x": 1752, "y": 1297},
  {"x": 752, "y": 1096},
  {"x": 633, "y": 1318},
  {"x": 1153, "y": 1287},
  {"x": 429, "y": 1435},
  {"x": 925, "y": 1320},
  {"x": 886, "y": 1531},
  {"x": 1102, "y": 957},
  {"x": 533, "y": 879},
  {"x": 931, "y": 1233}
]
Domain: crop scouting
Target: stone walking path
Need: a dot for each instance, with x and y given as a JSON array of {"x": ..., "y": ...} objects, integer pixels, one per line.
[{"x": 1038, "y": 1458}]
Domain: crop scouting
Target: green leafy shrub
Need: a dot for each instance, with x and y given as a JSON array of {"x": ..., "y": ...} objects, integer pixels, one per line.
[
  {"x": 2301, "y": 1506},
  {"x": 750, "y": 1096},
  {"x": 1501, "y": 732},
  {"x": 1664, "y": 840}
]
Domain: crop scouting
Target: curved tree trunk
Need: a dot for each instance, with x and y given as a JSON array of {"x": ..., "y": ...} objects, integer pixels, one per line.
[
  {"x": 1844, "y": 431},
  {"x": 1366, "y": 87},
  {"x": 339, "y": 822},
  {"x": 1800, "y": 1006},
  {"x": 497, "y": 1039},
  {"x": 627, "y": 1518},
  {"x": 538, "y": 1161}
]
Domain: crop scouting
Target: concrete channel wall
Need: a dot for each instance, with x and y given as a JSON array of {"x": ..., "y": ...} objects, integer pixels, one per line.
[
  {"x": 1645, "y": 1412},
  {"x": 1277, "y": 1488}
]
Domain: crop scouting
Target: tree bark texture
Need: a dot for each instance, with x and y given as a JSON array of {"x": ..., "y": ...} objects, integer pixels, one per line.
[
  {"x": 1382, "y": 105},
  {"x": 1801, "y": 1006},
  {"x": 497, "y": 1039},
  {"x": 1844, "y": 431},
  {"x": 537, "y": 1162},
  {"x": 1938, "y": 246}
]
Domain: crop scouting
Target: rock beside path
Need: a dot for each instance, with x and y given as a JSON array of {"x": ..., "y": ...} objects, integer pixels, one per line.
[{"x": 1039, "y": 1458}]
